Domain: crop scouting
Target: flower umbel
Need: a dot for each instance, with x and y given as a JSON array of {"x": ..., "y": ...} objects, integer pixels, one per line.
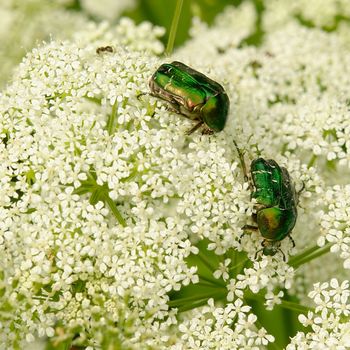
[
  {"x": 98, "y": 194},
  {"x": 330, "y": 320},
  {"x": 119, "y": 230}
]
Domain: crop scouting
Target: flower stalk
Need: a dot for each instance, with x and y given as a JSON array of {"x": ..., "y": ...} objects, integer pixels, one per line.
[
  {"x": 309, "y": 255},
  {"x": 173, "y": 28}
]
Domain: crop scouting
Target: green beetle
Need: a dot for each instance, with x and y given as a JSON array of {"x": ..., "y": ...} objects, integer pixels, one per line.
[
  {"x": 276, "y": 202},
  {"x": 191, "y": 94}
]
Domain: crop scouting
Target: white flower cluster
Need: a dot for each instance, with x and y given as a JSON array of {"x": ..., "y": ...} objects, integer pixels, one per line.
[
  {"x": 325, "y": 13},
  {"x": 229, "y": 327},
  {"x": 24, "y": 24},
  {"x": 144, "y": 37},
  {"x": 66, "y": 263},
  {"x": 281, "y": 127},
  {"x": 104, "y": 197},
  {"x": 329, "y": 320},
  {"x": 308, "y": 102},
  {"x": 73, "y": 132},
  {"x": 335, "y": 222},
  {"x": 291, "y": 104},
  {"x": 301, "y": 99},
  {"x": 231, "y": 27},
  {"x": 106, "y": 9}
]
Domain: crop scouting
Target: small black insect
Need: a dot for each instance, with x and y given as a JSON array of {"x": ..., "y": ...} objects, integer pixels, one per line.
[{"x": 103, "y": 49}]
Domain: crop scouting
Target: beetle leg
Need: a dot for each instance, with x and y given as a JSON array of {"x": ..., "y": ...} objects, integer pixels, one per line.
[
  {"x": 207, "y": 131},
  {"x": 283, "y": 255},
  {"x": 292, "y": 240},
  {"x": 194, "y": 128},
  {"x": 257, "y": 252},
  {"x": 300, "y": 191},
  {"x": 247, "y": 228},
  {"x": 173, "y": 108},
  {"x": 141, "y": 94},
  {"x": 243, "y": 165},
  {"x": 145, "y": 93},
  {"x": 250, "y": 228}
]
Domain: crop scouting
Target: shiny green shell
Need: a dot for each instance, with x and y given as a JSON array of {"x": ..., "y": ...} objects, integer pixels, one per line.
[
  {"x": 192, "y": 93},
  {"x": 275, "y": 194}
]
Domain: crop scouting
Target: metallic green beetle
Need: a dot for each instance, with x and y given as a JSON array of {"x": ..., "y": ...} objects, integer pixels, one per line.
[
  {"x": 276, "y": 202},
  {"x": 191, "y": 94}
]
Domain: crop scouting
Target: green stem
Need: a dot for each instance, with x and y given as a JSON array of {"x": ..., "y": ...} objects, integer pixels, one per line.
[
  {"x": 207, "y": 283},
  {"x": 242, "y": 262},
  {"x": 115, "y": 210},
  {"x": 206, "y": 262},
  {"x": 212, "y": 281},
  {"x": 309, "y": 255},
  {"x": 190, "y": 299},
  {"x": 173, "y": 28},
  {"x": 304, "y": 253},
  {"x": 312, "y": 161},
  {"x": 111, "y": 118},
  {"x": 199, "y": 301},
  {"x": 95, "y": 196},
  {"x": 286, "y": 304},
  {"x": 295, "y": 307}
]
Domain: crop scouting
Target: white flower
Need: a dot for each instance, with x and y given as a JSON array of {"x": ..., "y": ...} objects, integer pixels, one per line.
[
  {"x": 272, "y": 299},
  {"x": 223, "y": 270},
  {"x": 235, "y": 289},
  {"x": 329, "y": 330}
]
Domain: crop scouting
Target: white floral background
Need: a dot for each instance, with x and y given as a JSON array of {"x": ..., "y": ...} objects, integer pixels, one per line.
[{"x": 119, "y": 231}]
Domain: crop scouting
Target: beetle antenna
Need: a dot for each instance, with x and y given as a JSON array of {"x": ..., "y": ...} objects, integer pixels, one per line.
[
  {"x": 243, "y": 165},
  {"x": 194, "y": 128}
]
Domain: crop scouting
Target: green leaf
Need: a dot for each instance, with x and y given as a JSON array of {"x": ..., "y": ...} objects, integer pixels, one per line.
[
  {"x": 30, "y": 177},
  {"x": 30, "y": 210},
  {"x": 99, "y": 193},
  {"x": 111, "y": 118},
  {"x": 96, "y": 195}
]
